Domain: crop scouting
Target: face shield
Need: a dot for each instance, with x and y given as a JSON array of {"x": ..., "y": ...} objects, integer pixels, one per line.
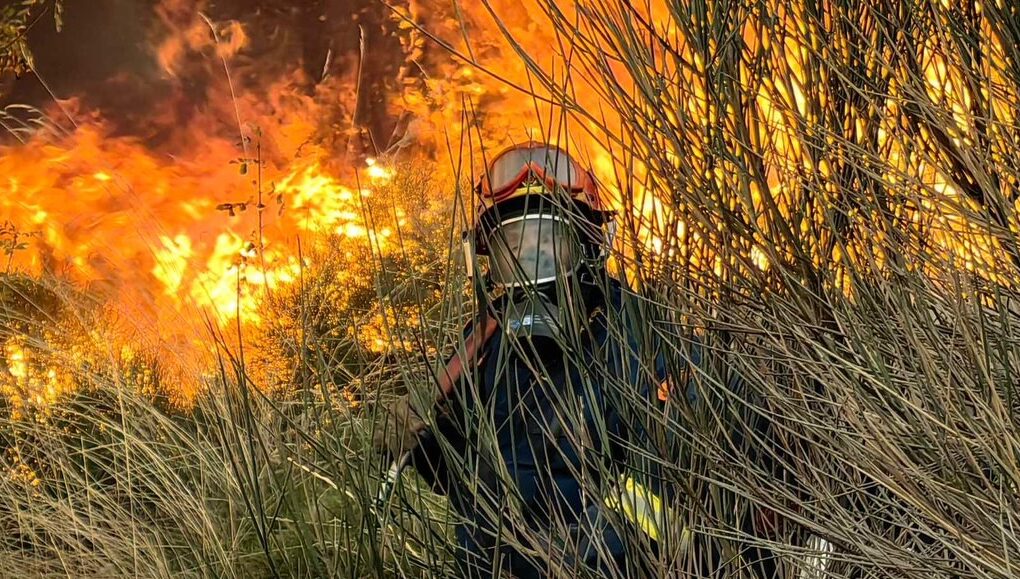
[
  {"x": 538, "y": 250},
  {"x": 532, "y": 250}
]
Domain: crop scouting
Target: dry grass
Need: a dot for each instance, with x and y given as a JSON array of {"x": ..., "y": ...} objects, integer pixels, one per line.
[{"x": 836, "y": 240}]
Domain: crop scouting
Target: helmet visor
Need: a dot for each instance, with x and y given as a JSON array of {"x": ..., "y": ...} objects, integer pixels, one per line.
[
  {"x": 532, "y": 249},
  {"x": 551, "y": 164}
]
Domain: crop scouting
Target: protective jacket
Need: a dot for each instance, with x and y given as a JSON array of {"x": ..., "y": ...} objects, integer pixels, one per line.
[{"x": 556, "y": 418}]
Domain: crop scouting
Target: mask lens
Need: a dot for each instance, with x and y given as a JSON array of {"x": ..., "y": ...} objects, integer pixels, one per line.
[
  {"x": 557, "y": 166},
  {"x": 508, "y": 170},
  {"x": 531, "y": 250}
]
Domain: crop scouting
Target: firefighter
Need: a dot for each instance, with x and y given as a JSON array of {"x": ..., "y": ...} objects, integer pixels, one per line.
[{"x": 531, "y": 439}]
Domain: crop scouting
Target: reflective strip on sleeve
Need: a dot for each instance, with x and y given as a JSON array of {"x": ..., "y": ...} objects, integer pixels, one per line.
[{"x": 640, "y": 506}]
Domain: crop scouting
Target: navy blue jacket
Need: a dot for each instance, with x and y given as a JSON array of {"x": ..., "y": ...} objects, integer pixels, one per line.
[{"x": 534, "y": 409}]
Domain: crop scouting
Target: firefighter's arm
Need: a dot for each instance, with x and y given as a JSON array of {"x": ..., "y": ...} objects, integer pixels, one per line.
[
  {"x": 404, "y": 420},
  {"x": 400, "y": 429}
]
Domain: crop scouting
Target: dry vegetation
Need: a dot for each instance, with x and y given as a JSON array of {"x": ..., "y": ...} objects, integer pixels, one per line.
[{"x": 835, "y": 235}]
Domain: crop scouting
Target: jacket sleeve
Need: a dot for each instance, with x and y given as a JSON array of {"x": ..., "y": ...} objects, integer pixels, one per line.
[{"x": 428, "y": 458}]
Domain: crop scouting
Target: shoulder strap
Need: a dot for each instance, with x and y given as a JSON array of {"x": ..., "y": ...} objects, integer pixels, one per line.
[{"x": 468, "y": 357}]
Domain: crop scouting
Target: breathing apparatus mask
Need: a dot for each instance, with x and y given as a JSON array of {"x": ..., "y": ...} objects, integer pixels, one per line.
[{"x": 545, "y": 235}]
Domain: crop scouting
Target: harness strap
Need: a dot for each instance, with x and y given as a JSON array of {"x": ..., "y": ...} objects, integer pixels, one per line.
[{"x": 472, "y": 345}]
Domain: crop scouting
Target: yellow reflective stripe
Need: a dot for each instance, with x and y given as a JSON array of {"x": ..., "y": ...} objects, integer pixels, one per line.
[
  {"x": 640, "y": 506},
  {"x": 529, "y": 189}
]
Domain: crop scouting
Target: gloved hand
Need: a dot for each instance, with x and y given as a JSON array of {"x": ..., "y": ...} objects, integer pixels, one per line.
[{"x": 400, "y": 428}]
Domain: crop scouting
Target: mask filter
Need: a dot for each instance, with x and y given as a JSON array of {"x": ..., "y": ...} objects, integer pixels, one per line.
[{"x": 534, "y": 317}]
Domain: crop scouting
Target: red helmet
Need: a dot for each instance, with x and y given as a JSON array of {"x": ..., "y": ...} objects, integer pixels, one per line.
[{"x": 515, "y": 172}]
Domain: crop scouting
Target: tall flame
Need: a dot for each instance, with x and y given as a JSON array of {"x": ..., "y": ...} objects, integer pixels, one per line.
[{"x": 249, "y": 150}]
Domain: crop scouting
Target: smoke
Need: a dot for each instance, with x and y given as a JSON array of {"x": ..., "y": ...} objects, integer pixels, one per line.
[{"x": 148, "y": 67}]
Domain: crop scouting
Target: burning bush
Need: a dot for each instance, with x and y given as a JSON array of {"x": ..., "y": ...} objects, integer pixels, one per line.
[{"x": 359, "y": 303}]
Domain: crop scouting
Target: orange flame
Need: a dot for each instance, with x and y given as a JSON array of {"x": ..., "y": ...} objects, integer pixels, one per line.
[{"x": 203, "y": 218}]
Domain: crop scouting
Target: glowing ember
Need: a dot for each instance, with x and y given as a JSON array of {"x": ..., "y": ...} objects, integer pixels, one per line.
[{"x": 28, "y": 382}]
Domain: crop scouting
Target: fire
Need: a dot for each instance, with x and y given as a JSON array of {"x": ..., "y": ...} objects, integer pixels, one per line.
[
  {"x": 166, "y": 238},
  {"x": 28, "y": 383},
  {"x": 172, "y": 262},
  {"x": 200, "y": 214}
]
